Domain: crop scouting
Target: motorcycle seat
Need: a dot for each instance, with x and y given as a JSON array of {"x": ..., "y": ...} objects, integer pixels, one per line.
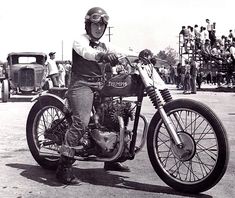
[{"x": 58, "y": 91}]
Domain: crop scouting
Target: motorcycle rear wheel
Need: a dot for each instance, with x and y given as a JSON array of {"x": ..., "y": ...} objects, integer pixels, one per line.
[
  {"x": 42, "y": 116},
  {"x": 204, "y": 159}
]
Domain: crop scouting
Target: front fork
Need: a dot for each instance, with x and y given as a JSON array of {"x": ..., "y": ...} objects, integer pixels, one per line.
[{"x": 154, "y": 97}]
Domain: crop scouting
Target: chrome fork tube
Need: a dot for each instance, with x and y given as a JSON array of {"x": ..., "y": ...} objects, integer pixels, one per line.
[
  {"x": 169, "y": 126},
  {"x": 154, "y": 95}
]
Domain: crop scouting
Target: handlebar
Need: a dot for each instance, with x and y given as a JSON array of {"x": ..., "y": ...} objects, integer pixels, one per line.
[{"x": 142, "y": 60}]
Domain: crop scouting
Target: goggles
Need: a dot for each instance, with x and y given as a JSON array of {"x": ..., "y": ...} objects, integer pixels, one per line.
[{"x": 96, "y": 18}]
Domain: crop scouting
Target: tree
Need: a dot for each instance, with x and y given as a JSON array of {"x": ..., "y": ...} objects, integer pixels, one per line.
[{"x": 169, "y": 55}]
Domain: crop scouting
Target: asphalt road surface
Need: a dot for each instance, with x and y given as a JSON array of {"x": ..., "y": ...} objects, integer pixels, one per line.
[{"x": 20, "y": 176}]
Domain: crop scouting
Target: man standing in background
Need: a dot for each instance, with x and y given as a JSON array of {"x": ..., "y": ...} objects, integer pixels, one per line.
[
  {"x": 61, "y": 68},
  {"x": 52, "y": 69},
  {"x": 193, "y": 77}
]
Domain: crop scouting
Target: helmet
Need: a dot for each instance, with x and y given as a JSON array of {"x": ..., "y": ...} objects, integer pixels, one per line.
[{"x": 95, "y": 15}]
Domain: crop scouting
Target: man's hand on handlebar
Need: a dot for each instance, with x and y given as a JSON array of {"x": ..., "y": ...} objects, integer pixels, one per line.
[{"x": 109, "y": 58}]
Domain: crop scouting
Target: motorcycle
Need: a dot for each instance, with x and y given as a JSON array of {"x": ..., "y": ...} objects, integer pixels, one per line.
[{"x": 187, "y": 143}]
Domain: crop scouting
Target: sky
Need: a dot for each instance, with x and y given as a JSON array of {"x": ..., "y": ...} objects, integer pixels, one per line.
[{"x": 53, "y": 25}]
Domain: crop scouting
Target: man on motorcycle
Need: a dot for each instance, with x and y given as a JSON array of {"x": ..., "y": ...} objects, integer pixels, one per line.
[{"x": 87, "y": 75}]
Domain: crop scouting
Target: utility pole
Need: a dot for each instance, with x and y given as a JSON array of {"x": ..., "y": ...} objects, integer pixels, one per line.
[{"x": 109, "y": 33}]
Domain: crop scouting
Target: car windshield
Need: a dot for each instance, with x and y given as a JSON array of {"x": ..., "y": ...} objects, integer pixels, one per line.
[
  {"x": 17, "y": 59},
  {"x": 27, "y": 60}
]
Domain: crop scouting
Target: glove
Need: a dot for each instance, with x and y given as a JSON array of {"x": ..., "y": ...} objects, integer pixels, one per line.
[{"x": 110, "y": 58}]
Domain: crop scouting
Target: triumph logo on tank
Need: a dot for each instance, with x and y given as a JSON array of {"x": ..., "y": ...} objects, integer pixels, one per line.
[{"x": 120, "y": 84}]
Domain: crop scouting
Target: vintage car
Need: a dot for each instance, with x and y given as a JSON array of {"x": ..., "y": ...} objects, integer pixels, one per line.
[
  {"x": 3, "y": 72},
  {"x": 3, "y": 81},
  {"x": 25, "y": 73}
]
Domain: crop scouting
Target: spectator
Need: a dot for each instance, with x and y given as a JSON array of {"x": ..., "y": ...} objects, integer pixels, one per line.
[
  {"x": 209, "y": 77},
  {"x": 61, "y": 75},
  {"x": 213, "y": 38},
  {"x": 232, "y": 65},
  {"x": 227, "y": 45},
  {"x": 182, "y": 75},
  {"x": 163, "y": 74},
  {"x": 185, "y": 33},
  {"x": 197, "y": 35},
  {"x": 52, "y": 69},
  {"x": 209, "y": 28},
  {"x": 220, "y": 41},
  {"x": 230, "y": 35},
  {"x": 206, "y": 51},
  {"x": 68, "y": 67},
  {"x": 193, "y": 76},
  {"x": 204, "y": 35},
  {"x": 215, "y": 51},
  {"x": 172, "y": 74},
  {"x": 187, "y": 78},
  {"x": 191, "y": 37},
  {"x": 199, "y": 78},
  {"x": 179, "y": 73},
  {"x": 213, "y": 26},
  {"x": 232, "y": 51}
]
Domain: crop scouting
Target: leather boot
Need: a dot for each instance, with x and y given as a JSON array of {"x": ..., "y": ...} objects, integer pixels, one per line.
[
  {"x": 116, "y": 166},
  {"x": 64, "y": 172}
]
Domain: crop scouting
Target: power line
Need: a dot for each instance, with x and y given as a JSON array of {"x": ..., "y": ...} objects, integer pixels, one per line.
[{"x": 109, "y": 33}]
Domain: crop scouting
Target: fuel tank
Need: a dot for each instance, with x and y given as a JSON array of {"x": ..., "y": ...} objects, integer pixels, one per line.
[{"x": 122, "y": 85}]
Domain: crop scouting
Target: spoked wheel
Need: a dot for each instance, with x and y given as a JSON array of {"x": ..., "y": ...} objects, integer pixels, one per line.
[
  {"x": 45, "y": 129},
  {"x": 202, "y": 161}
]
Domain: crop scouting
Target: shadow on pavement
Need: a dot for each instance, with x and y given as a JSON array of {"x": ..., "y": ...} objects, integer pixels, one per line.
[
  {"x": 36, "y": 173},
  {"x": 95, "y": 176}
]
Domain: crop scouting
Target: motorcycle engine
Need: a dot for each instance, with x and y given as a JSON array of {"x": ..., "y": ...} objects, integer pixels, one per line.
[
  {"x": 111, "y": 109},
  {"x": 107, "y": 115}
]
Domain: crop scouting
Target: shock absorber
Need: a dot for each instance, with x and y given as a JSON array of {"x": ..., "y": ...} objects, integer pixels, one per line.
[
  {"x": 151, "y": 92},
  {"x": 157, "y": 103},
  {"x": 166, "y": 95}
]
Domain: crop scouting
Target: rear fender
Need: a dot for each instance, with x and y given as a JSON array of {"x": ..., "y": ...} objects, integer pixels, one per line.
[{"x": 45, "y": 96}]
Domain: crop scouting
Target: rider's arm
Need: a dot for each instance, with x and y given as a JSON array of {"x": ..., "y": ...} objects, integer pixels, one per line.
[
  {"x": 82, "y": 47},
  {"x": 119, "y": 51}
]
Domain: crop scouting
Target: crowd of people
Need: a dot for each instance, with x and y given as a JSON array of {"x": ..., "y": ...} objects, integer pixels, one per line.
[
  {"x": 184, "y": 76},
  {"x": 217, "y": 62},
  {"x": 196, "y": 37}
]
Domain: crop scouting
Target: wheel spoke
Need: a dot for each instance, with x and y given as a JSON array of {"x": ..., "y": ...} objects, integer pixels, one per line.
[
  {"x": 206, "y": 152},
  {"x": 212, "y": 153},
  {"x": 43, "y": 123}
]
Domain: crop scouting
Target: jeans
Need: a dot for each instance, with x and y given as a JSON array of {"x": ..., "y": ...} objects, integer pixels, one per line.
[
  {"x": 187, "y": 86},
  {"x": 193, "y": 84},
  {"x": 80, "y": 96},
  {"x": 55, "y": 79}
]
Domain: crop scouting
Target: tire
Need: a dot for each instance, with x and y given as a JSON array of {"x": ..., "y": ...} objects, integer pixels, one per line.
[
  {"x": 203, "y": 162},
  {"x": 5, "y": 90},
  {"x": 41, "y": 116}
]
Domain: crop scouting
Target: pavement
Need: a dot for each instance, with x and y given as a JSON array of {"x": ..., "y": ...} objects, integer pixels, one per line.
[{"x": 22, "y": 177}]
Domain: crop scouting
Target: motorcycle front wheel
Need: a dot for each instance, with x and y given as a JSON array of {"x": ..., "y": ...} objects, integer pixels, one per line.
[
  {"x": 44, "y": 143},
  {"x": 203, "y": 159}
]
